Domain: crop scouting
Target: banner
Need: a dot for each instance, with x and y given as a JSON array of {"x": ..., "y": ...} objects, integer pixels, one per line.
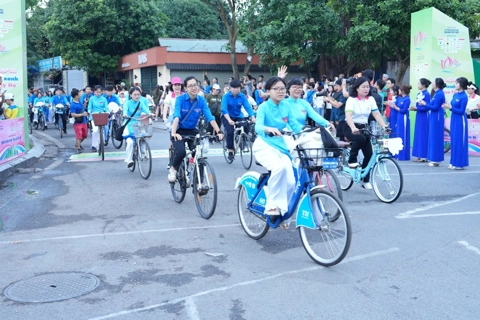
[
  {"x": 473, "y": 136},
  {"x": 12, "y": 143},
  {"x": 13, "y": 70}
]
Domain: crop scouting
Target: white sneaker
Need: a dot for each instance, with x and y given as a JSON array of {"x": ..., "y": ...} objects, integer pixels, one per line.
[
  {"x": 367, "y": 185},
  {"x": 353, "y": 165},
  {"x": 172, "y": 175}
]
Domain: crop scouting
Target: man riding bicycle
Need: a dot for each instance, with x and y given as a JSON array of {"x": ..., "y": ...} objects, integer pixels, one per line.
[
  {"x": 232, "y": 103},
  {"x": 59, "y": 98},
  {"x": 185, "y": 118}
]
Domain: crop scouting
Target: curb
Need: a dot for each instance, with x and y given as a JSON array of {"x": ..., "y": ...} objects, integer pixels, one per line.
[{"x": 27, "y": 160}]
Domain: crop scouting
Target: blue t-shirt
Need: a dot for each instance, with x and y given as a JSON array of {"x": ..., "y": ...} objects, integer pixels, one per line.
[
  {"x": 182, "y": 107},
  {"x": 233, "y": 105},
  {"x": 78, "y": 108},
  {"x": 59, "y": 100},
  {"x": 112, "y": 98},
  {"x": 85, "y": 96}
]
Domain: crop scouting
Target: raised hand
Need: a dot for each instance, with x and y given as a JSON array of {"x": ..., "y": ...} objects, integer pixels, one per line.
[{"x": 282, "y": 72}]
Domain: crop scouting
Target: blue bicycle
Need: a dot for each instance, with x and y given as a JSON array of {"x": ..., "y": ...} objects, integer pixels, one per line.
[
  {"x": 321, "y": 218},
  {"x": 386, "y": 175}
]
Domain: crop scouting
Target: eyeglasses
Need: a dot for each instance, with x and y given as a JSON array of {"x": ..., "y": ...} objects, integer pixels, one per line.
[
  {"x": 279, "y": 89},
  {"x": 296, "y": 87},
  {"x": 192, "y": 86}
]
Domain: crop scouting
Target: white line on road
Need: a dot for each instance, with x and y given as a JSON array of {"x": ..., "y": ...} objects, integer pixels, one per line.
[
  {"x": 436, "y": 205},
  {"x": 469, "y": 247},
  {"x": 242, "y": 284},
  {"x": 97, "y": 235},
  {"x": 192, "y": 309},
  {"x": 439, "y": 215},
  {"x": 441, "y": 173}
]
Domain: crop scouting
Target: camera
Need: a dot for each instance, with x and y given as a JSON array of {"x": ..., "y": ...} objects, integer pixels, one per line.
[
  {"x": 324, "y": 93},
  {"x": 350, "y": 80}
]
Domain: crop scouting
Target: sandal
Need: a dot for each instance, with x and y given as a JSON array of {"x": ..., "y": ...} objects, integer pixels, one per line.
[
  {"x": 434, "y": 164},
  {"x": 420, "y": 160},
  {"x": 273, "y": 212}
]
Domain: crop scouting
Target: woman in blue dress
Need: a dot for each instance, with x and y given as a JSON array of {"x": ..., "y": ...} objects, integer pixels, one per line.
[
  {"x": 436, "y": 123},
  {"x": 459, "y": 126},
  {"x": 402, "y": 107},
  {"x": 301, "y": 108},
  {"x": 394, "y": 92},
  {"x": 420, "y": 138}
]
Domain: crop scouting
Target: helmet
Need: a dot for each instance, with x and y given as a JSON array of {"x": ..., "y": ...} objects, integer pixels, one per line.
[
  {"x": 59, "y": 106},
  {"x": 9, "y": 96},
  {"x": 39, "y": 104}
]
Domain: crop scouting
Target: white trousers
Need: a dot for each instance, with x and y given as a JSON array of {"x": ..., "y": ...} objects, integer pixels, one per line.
[
  {"x": 129, "y": 150},
  {"x": 281, "y": 184},
  {"x": 95, "y": 136}
]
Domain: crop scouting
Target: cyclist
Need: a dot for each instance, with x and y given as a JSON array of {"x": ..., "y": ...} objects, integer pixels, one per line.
[
  {"x": 175, "y": 90},
  {"x": 37, "y": 102},
  {"x": 61, "y": 99},
  {"x": 232, "y": 103},
  {"x": 46, "y": 108},
  {"x": 130, "y": 110},
  {"x": 359, "y": 106},
  {"x": 187, "y": 113},
  {"x": 80, "y": 115},
  {"x": 272, "y": 152},
  {"x": 110, "y": 96},
  {"x": 96, "y": 103}
]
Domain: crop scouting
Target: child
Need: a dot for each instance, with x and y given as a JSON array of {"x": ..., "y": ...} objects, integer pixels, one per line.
[{"x": 11, "y": 112}]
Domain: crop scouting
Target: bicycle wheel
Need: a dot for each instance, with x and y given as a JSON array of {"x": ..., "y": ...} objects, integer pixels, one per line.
[
  {"x": 446, "y": 140},
  {"x": 387, "y": 180},
  {"x": 101, "y": 146},
  {"x": 205, "y": 189},
  {"x": 329, "y": 179},
  {"x": 60, "y": 125},
  {"x": 106, "y": 135},
  {"x": 255, "y": 226},
  {"x": 41, "y": 122},
  {"x": 345, "y": 180},
  {"x": 116, "y": 144},
  {"x": 246, "y": 151},
  {"x": 329, "y": 242},
  {"x": 225, "y": 151},
  {"x": 144, "y": 158},
  {"x": 179, "y": 188},
  {"x": 35, "y": 124},
  {"x": 30, "y": 127}
]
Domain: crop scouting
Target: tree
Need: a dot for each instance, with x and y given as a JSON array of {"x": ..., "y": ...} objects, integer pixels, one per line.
[
  {"x": 192, "y": 19},
  {"x": 94, "y": 34},
  {"x": 299, "y": 31},
  {"x": 382, "y": 28}
]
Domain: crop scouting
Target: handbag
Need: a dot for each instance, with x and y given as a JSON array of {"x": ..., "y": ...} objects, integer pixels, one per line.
[
  {"x": 119, "y": 132},
  {"x": 329, "y": 142}
]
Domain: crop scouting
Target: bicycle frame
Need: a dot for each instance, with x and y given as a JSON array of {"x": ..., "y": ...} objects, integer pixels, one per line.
[{"x": 198, "y": 156}]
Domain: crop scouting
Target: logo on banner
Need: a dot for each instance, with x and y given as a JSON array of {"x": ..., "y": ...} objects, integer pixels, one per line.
[
  {"x": 1, "y": 11},
  {"x": 3, "y": 49},
  {"x": 449, "y": 65},
  {"x": 142, "y": 58},
  {"x": 419, "y": 40}
]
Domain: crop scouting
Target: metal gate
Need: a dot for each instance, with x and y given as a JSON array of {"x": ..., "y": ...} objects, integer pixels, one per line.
[{"x": 148, "y": 79}]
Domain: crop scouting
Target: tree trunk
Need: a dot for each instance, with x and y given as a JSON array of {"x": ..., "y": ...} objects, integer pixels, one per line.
[
  {"x": 247, "y": 62},
  {"x": 402, "y": 69},
  {"x": 233, "y": 59}
]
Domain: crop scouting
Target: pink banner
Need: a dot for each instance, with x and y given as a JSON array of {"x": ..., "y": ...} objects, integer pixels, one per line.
[
  {"x": 473, "y": 136},
  {"x": 12, "y": 141}
]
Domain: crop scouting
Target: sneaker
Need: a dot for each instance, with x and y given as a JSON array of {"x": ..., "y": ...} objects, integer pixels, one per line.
[
  {"x": 172, "y": 175},
  {"x": 231, "y": 156},
  {"x": 433, "y": 164},
  {"x": 367, "y": 185},
  {"x": 79, "y": 151},
  {"x": 353, "y": 165},
  {"x": 168, "y": 166},
  {"x": 130, "y": 164},
  {"x": 94, "y": 149}
]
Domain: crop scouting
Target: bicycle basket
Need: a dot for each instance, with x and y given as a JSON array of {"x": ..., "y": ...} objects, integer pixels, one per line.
[
  {"x": 313, "y": 159},
  {"x": 100, "y": 119},
  {"x": 142, "y": 128}
]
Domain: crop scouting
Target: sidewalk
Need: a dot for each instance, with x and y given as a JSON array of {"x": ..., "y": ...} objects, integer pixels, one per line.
[{"x": 25, "y": 161}]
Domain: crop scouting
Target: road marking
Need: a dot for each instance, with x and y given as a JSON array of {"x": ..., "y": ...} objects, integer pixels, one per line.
[
  {"x": 243, "y": 284},
  {"x": 98, "y": 235},
  {"x": 441, "y": 173},
  {"x": 192, "y": 309},
  {"x": 436, "y": 205},
  {"x": 439, "y": 215},
  {"x": 52, "y": 139},
  {"x": 469, "y": 247}
]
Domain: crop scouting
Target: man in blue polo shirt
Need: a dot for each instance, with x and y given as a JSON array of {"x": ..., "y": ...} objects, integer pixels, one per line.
[
  {"x": 110, "y": 96},
  {"x": 59, "y": 98},
  {"x": 78, "y": 112},
  {"x": 232, "y": 103}
]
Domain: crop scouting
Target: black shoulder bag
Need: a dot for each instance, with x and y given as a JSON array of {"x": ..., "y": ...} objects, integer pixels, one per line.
[
  {"x": 119, "y": 132},
  {"x": 189, "y": 111}
]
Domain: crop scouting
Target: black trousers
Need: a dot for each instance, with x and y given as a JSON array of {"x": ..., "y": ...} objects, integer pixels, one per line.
[
  {"x": 229, "y": 130},
  {"x": 218, "y": 120},
  {"x": 340, "y": 130},
  {"x": 179, "y": 146},
  {"x": 360, "y": 142}
]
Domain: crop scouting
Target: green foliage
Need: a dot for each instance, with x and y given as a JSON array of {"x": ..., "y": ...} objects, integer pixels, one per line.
[
  {"x": 294, "y": 31},
  {"x": 38, "y": 44},
  {"x": 94, "y": 34},
  {"x": 192, "y": 19}
]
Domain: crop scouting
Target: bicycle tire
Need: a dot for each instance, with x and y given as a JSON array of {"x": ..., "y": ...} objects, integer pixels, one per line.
[
  {"x": 225, "y": 151},
  {"x": 41, "y": 123},
  {"x": 101, "y": 147},
  {"x": 381, "y": 168},
  {"x": 329, "y": 179},
  {"x": 179, "y": 187},
  {"x": 258, "y": 228},
  {"x": 205, "y": 208},
  {"x": 134, "y": 159},
  {"x": 446, "y": 140},
  {"x": 346, "y": 181},
  {"x": 328, "y": 230},
  {"x": 60, "y": 125},
  {"x": 116, "y": 144},
  {"x": 35, "y": 125},
  {"x": 30, "y": 129},
  {"x": 144, "y": 158},
  {"x": 247, "y": 157}
]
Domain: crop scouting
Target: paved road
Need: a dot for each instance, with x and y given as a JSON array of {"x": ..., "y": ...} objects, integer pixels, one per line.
[{"x": 415, "y": 259}]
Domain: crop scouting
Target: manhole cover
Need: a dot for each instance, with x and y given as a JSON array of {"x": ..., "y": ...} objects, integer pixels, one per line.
[{"x": 52, "y": 287}]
